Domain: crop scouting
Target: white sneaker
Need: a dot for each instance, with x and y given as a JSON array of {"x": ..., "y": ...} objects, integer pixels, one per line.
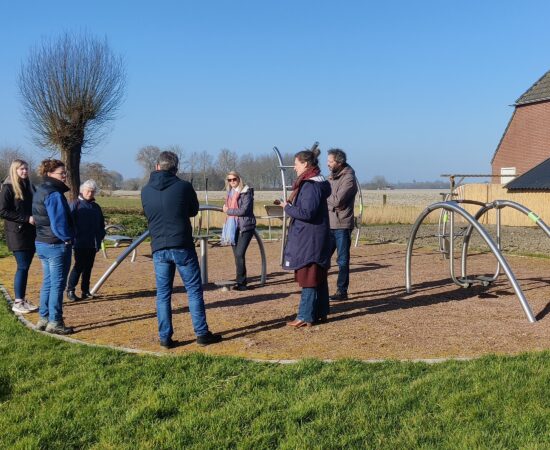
[
  {"x": 19, "y": 307},
  {"x": 30, "y": 307}
]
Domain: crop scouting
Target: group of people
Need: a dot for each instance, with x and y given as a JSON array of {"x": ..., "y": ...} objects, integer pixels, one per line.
[
  {"x": 321, "y": 215},
  {"x": 40, "y": 220}
]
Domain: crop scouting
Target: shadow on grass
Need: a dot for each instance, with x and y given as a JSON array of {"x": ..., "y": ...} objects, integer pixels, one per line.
[{"x": 5, "y": 387}]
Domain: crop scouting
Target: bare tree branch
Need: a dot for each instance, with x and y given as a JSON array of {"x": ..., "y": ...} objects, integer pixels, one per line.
[{"x": 71, "y": 88}]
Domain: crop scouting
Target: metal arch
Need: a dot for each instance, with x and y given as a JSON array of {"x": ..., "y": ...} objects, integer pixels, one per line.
[
  {"x": 144, "y": 236},
  {"x": 283, "y": 168},
  {"x": 359, "y": 223},
  {"x": 453, "y": 207},
  {"x": 498, "y": 205}
]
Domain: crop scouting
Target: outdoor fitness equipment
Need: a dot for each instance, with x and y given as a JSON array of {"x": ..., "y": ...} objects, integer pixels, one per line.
[
  {"x": 497, "y": 205},
  {"x": 452, "y": 207},
  {"x": 203, "y": 255}
]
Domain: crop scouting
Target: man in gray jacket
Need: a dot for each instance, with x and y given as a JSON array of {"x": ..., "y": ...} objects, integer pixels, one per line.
[{"x": 341, "y": 216}]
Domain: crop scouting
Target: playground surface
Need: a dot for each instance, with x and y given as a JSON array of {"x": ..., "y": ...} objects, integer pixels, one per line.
[{"x": 379, "y": 320}]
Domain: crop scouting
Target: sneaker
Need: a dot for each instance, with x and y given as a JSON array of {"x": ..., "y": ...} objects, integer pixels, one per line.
[
  {"x": 41, "y": 324},
  {"x": 208, "y": 338},
  {"x": 167, "y": 343},
  {"x": 72, "y": 297},
  {"x": 30, "y": 307},
  {"x": 339, "y": 296},
  {"x": 19, "y": 307},
  {"x": 241, "y": 287},
  {"x": 86, "y": 295},
  {"x": 58, "y": 328}
]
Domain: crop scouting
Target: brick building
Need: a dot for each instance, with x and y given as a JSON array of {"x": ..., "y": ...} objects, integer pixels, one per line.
[{"x": 526, "y": 140}]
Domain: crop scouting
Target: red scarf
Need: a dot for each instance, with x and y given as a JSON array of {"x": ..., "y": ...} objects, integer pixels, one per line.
[
  {"x": 231, "y": 200},
  {"x": 309, "y": 173}
]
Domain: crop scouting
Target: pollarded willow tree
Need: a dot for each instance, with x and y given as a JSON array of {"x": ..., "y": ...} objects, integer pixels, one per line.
[{"x": 72, "y": 88}]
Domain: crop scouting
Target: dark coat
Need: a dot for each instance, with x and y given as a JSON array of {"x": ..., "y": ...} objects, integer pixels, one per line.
[
  {"x": 168, "y": 203},
  {"x": 308, "y": 238},
  {"x": 245, "y": 211},
  {"x": 51, "y": 213},
  {"x": 90, "y": 223},
  {"x": 20, "y": 234}
]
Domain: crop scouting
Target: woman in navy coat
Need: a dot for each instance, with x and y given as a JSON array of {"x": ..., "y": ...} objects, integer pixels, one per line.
[{"x": 307, "y": 250}]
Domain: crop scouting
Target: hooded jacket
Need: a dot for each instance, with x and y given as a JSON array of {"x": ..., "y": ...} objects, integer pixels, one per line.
[
  {"x": 245, "y": 211},
  {"x": 20, "y": 234},
  {"x": 308, "y": 239},
  {"x": 168, "y": 203},
  {"x": 342, "y": 198}
]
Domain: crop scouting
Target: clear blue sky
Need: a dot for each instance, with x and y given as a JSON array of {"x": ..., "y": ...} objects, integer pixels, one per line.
[{"x": 408, "y": 89}]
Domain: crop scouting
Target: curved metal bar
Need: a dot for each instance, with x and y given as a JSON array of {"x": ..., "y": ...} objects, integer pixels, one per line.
[
  {"x": 119, "y": 259},
  {"x": 360, "y": 219},
  {"x": 282, "y": 167},
  {"x": 123, "y": 255},
  {"x": 499, "y": 204},
  {"x": 453, "y": 206}
]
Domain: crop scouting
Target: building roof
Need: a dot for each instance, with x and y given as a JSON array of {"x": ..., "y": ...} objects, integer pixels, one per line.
[
  {"x": 540, "y": 91},
  {"x": 538, "y": 178}
]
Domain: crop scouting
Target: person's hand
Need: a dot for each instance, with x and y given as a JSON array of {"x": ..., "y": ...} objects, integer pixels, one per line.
[
  {"x": 31, "y": 220},
  {"x": 225, "y": 208}
]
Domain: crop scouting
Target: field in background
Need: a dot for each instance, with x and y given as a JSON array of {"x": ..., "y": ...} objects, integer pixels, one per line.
[{"x": 380, "y": 207}]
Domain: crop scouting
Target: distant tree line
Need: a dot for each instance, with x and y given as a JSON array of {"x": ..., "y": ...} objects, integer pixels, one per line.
[{"x": 380, "y": 182}]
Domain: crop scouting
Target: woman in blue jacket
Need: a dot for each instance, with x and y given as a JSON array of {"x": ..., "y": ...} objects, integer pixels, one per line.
[
  {"x": 240, "y": 223},
  {"x": 307, "y": 249},
  {"x": 54, "y": 241},
  {"x": 90, "y": 231}
]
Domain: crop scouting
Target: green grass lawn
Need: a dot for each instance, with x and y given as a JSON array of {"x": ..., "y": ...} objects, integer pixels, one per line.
[{"x": 59, "y": 395}]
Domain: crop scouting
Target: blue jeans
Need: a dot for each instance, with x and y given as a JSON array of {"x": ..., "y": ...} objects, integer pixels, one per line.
[
  {"x": 340, "y": 240},
  {"x": 314, "y": 303},
  {"x": 24, "y": 260},
  {"x": 56, "y": 262},
  {"x": 185, "y": 260}
]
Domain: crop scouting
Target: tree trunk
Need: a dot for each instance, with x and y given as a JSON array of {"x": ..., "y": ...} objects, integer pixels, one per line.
[{"x": 71, "y": 158}]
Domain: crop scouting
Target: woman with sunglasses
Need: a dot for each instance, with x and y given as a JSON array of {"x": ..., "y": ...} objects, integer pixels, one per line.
[
  {"x": 307, "y": 249},
  {"x": 16, "y": 209},
  {"x": 240, "y": 223},
  {"x": 54, "y": 238}
]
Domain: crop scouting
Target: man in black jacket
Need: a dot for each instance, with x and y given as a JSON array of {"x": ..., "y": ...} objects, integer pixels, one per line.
[{"x": 168, "y": 203}]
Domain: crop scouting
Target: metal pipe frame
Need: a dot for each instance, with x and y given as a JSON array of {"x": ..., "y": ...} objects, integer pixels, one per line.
[
  {"x": 360, "y": 221},
  {"x": 283, "y": 168},
  {"x": 452, "y": 206},
  {"x": 140, "y": 239},
  {"x": 498, "y": 205}
]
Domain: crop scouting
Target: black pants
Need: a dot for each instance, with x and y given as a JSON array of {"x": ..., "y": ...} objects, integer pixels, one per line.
[
  {"x": 83, "y": 263},
  {"x": 239, "y": 250}
]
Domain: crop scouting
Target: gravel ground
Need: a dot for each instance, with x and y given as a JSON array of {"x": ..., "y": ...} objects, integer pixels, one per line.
[{"x": 520, "y": 240}]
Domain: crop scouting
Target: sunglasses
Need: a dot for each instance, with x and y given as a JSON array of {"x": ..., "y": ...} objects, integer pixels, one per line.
[{"x": 232, "y": 179}]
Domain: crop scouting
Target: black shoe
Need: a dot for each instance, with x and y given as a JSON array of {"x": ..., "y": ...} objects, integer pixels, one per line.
[
  {"x": 339, "y": 296},
  {"x": 86, "y": 295},
  {"x": 71, "y": 296},
  {"x": 167, "y": 343},
  {"x": 241, "y": 287},
  {"x": 208, "y": 338}
]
